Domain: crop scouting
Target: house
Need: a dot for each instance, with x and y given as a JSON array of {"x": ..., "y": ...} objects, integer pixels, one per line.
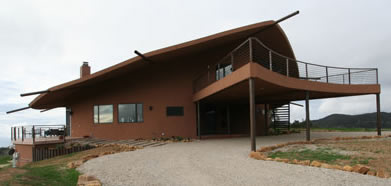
[{"x": 226, "y": 84}]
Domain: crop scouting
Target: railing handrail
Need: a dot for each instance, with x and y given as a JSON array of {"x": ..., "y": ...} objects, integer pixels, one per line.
[
  {"x": 259, "y": 53},
  {"x": 283, "y": 56}
]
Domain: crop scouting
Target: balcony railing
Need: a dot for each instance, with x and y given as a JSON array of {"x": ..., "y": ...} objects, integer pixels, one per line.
[
  {"x": 32, "y": 134},
  {"x": 253, "y": 50}
]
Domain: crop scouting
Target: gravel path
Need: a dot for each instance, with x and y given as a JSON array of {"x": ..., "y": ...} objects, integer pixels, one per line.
[{"x": 218, "y": 162}]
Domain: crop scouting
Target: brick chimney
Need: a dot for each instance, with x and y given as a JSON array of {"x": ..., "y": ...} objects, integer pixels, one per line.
[{"x": 85, "y": 70}]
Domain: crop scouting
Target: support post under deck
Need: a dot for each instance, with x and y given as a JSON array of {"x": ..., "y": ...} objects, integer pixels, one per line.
[
  {"x": 198, "y": 120},
  {"x": 307, "y": 115},
  {"x": 378, "y": 115},
  {"x": 228, "y": 120},
  {"x": 252, "y": 114},
  {"x": 266, "y": 119}
]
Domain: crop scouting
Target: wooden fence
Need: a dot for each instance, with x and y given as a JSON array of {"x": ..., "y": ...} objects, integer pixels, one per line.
[{"x": 47, "y": 153}]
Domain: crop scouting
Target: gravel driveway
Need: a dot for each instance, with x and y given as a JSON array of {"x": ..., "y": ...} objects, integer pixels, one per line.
[{"x": 218, "y": 162}]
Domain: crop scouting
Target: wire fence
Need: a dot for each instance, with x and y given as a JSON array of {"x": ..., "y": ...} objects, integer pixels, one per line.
[{"x": 253, "y": 50}]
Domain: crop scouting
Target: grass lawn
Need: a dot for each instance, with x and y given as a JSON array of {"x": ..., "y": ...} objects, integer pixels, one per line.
[
  {"x": 321, "y": 154},
  {"x": 46, "y": 175},
  {"x": 5, "y": 159},
  {"x": 48, "y": 172}
]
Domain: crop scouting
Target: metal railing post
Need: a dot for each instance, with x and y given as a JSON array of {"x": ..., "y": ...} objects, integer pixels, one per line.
[
  {"x": 232, "y": 62},
  {"x": 327, "y": 74},
  {"x": 270, "y": 61},
  {"x": 22, "y": 134},
  {"x": 287, "y": 67},
  {"x": 306, "y": 71},
  {"x": 33, "y": 134},
  {"x": 377, "y": 77},
  {"x": 349, "y": 75},
  {"x": 250, "y": 45},
  {"x": 14, "y": 133}
]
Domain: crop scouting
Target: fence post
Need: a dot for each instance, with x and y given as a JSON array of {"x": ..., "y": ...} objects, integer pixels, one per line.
[
  {"x": 270, "y": 61},
  {"x": 287, "y": 67},
  {"x": 33, "y": 134},
  {"x": 14, "y": 133},
  {"x": 349, "y": 75},
  {"x": 327, "y": 74}
]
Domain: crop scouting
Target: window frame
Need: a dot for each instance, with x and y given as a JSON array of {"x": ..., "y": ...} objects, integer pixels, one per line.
[
  {"x": 137, "y": 121},
  {"x": 93, "y": 114},
  {"x": 183, "y": 111}
]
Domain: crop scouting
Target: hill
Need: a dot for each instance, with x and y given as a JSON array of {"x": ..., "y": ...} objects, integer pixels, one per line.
[{"x": 367, "y": 120}]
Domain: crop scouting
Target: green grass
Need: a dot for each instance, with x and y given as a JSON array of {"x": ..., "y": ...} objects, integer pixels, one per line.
[
  {"x": 348, "y": 129},
  {"x": 323, "y": 155},
  {"x": 5, "y": 159},
  {"x": 46, "y": 175}
]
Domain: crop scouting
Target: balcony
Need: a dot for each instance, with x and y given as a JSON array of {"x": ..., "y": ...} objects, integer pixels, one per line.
[
  {"x": 253, "y": 50},
  {"x": 38, "y": 134}
]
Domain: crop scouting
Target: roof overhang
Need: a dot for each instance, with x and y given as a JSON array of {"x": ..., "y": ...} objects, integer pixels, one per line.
[{"x": 58, "y": 96}]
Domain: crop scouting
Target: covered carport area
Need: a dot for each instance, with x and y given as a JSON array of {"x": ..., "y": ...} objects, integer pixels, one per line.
[{"x": 255, "y": 85}]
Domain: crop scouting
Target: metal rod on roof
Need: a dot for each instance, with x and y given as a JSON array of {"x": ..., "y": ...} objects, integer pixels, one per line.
[
  {"x": 46, "y": 110},
  {"x": 142, "y": 56},
  {"x": 17, "y": 110},
  {"x": 33, "y": 93},
  {"x": 300, "y": 105},
  {"x": 278, "y": 21}
]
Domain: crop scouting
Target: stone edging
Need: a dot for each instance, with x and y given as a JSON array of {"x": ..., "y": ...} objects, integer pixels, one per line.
[{"x": 259, "y": 155}]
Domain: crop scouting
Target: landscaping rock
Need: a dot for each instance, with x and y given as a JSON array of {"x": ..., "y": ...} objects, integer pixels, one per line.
[
  {"x": 295, "y": 161},
  {"x": 305, "y": 162},
  {"x": 371, "y": 172},
  {"x": 327, "y": 166},
  {"x": 75, "y": 164},
  {"x": 347, "y": 168},
  {"x": 382, "y": 174},
  {"x": 265, "y": 149},
  {"x": 257, "y": 156},
  {"x": 93, "y": 183},
  {"x": 360, "y": 169},
  {"x": 315, "y": 164},
  {"x": 363, "y": 170},
  {"x": 89, "y": 157}
]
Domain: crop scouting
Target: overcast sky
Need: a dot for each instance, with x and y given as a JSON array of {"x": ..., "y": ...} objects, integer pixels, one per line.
[{"x": 43, "y": 43}]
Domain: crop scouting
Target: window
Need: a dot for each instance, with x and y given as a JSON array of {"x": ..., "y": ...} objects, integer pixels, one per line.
[
  {"x": 175, "y": 111},
  {"x": 130, "y": 113},
  {"x": 103, "y": 113},
  {"x": 223, "y": 70}
]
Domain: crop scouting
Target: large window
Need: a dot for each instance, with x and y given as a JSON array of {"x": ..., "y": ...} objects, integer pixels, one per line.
[
  {"x": 103, "y": 113},
  {"x": 130, "y": 113}
]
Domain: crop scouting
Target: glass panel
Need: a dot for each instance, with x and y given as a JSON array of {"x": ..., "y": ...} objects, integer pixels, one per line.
[
  {"x": 127, "y": 113},
  {"x": 105, "y": 113},
  {"x": 228, "y": 70},
  {"x": 96, "y": 114},
  {"x": 140, "y": 113}
]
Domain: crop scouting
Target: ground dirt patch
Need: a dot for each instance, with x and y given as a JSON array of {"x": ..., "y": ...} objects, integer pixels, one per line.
[{"x": 374, "y": 153}]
